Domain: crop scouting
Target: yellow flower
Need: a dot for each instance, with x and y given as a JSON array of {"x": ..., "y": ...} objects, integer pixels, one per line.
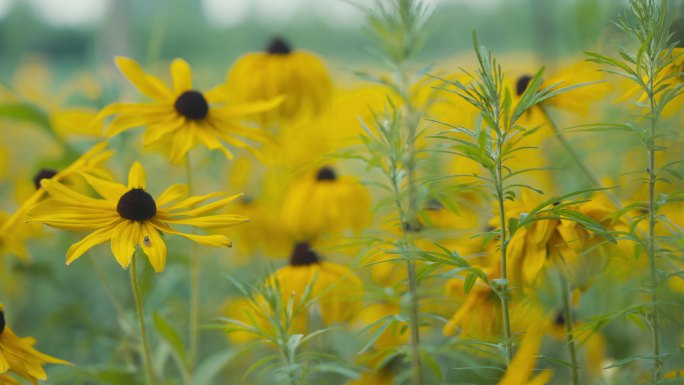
[
  {"x": 129, "y": 216},
  {"x": 479, "y": 314},
  {"x": 14, "y": 230},
  {"x": 337, "y": 289},
  {"x": 300, "y": 76},
  {"x": 520, "y": 369},
  {"x": 18, "y": 356},
  {"x": 528, "y": 248},
  {"x": 184, "y": 116},
  {"x": 323, "y": 202}
]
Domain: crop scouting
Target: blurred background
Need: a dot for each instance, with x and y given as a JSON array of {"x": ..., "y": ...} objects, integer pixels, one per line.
[{"x": 74, "y": 34}]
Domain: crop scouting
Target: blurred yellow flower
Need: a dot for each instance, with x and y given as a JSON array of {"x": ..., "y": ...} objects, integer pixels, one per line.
[
  {"x": 14, "y": 230},
  {"x": 183, "y": 115},
  {"x": 129, "y": 216},
  {"x": 520, "y": 369},
  {"x": 324, "y": 202},
  {"x": 478, "y": 316},
  {"x": 300, "y": 76},
  {"x": 336, "y": 288},
  {"x": 18, "y": 356}
]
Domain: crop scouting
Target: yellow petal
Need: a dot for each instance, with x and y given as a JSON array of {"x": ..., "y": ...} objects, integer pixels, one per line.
[
  {"x": 135, "y": 74},
  {"x": 210, "y": 221},
  {"x": 181, "y": 75},
  {"x": 136, "y": 176},
  {"x": 124, "y": 238}
]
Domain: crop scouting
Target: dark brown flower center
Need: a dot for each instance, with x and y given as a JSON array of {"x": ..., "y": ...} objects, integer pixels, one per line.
[
  {"x": 522, "y": 83},
  {"x": 136, "y": 205},
  {"x": 2, "y": 321},
  {"x": 278, "y": 46},
  {"x": 303, "y": 255},
  {"x": 326, "y": 174},
  {"x": 192, "y": 105},
  {"x": 44, "y": 173}
]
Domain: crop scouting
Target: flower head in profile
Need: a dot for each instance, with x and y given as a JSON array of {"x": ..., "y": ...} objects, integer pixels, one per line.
[
  {"x": 298, "y": 75},
  {"x": 129, "y": 217},
  {"x": 336, "y": 288},
  {"x": 18, "y": 356},
  {"x": 183, "y": 115},
  {"x": 324, "y": 202}
]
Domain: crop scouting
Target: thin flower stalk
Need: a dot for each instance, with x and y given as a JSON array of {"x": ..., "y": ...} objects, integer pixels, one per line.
[{"x": 144, "y": 342}]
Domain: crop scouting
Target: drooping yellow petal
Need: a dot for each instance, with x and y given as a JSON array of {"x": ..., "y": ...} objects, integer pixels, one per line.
[
  {"x": 124, "y": 238},
  {"x": 136, "y": 176},
  {"x": 207, "y": 240},
  {"x": 181, "y": 75},
  {"x": 153, "y": 246},
  {"x": 95, "y": 238}
]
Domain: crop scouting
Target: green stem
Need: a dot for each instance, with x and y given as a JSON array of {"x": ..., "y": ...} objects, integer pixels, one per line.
[
  {"x": 567, "y": 315},
  {"x": 149, "y": 374},
  {"x": 652, "y": 213},
  {"x": 508, "y": 345},
  {"x": 194, "y": 281}
]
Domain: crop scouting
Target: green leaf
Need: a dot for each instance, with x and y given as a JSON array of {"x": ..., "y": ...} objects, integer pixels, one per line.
[
  {"x": 171, "y": 336},
  {"x": 210, "y": 367},
  {"x": 26, "y": 112},
  {"x": 469, "y": 283}
]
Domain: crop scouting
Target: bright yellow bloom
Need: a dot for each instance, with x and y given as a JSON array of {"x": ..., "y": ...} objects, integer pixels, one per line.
[
  {"x": 520, "y": 369},
  {"x": 129, "y": 216},
  {"x": 323, "y": 202},
  {"x": 300, "y": 76},
  {"x": 528, "y": 248},
  {"x": 337, "y": 289},
  {"x": 18, "y": 356},
  {"x": 184, "y": 116}
]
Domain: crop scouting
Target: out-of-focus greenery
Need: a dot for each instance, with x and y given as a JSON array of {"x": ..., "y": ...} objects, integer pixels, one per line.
[{"x": 157, "y": 29}]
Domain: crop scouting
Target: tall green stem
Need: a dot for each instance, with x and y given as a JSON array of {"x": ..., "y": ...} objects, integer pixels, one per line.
[
  {"x": 194, "y": 281},
  {"x": 504, "y": 245},
  {"x": 652, "y": 213},
  {"x": 149, "y": 373},
  {"x": 567, "y": 316}
]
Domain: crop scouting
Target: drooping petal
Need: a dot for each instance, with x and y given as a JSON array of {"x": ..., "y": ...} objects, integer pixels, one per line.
[
  {"x": 95, "y": 238},
  {"x": 207, "y": 240},
  {"x": 124, "y": 238},
  {"x": 153, "y": 246}
]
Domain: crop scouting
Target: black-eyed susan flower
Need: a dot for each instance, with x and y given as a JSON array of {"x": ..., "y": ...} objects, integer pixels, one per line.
[
  {"x": 130, "y": 217},
  {"x": 336, "y": 288},
  {"x": 19, "y": 357},
  {"x": 14, "y": 230},
  {"x": 298, "y": 75},
  {"x": 324, "y": 202},
  {"x": 183, "y": 115}
]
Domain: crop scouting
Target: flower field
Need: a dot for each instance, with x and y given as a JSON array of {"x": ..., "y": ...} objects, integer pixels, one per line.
[{"x": 294, "y": 217}]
